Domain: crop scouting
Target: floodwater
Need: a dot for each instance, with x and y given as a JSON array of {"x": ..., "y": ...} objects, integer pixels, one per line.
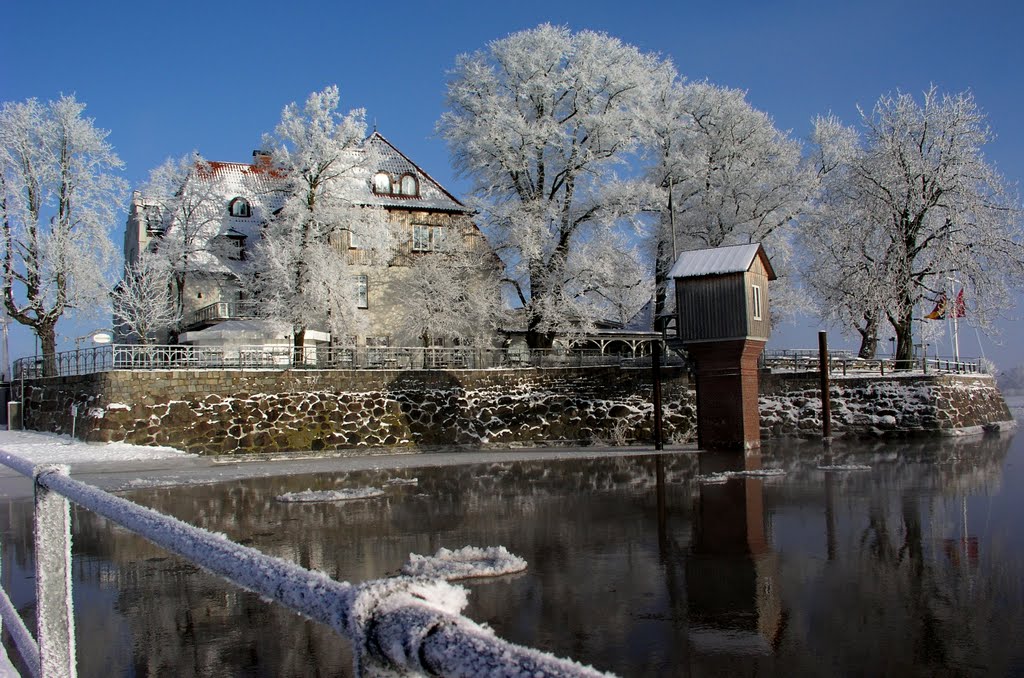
[{"x": 914, "y": 567}]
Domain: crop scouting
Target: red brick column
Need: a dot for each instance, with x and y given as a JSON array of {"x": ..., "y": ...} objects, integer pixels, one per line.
[{"x": 727, "y": 391}]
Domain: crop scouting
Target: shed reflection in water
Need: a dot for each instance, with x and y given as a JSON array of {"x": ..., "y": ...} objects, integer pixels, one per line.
[{"x": 637, "y": 567}]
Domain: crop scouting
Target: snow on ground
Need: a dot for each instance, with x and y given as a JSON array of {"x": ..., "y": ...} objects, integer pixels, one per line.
[
  {"x": 464, "y": 563},
  {"x": 345, "y": 494},
  {"x": 50, "y": 448}
]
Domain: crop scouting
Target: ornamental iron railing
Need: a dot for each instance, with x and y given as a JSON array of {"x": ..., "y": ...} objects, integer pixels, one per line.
[{"x": 178, "y": 357}]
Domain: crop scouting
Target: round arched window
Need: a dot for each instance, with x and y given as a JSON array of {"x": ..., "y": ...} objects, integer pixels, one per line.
[
  {"x": 239, "y": 207},
  {"x": 409, "y": 186},
  {"x": 382, "y": 182}
]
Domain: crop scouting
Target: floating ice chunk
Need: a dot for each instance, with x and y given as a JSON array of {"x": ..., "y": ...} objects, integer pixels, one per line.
[
  {"x": 844, "y": 467},
  {"x": 464, "y": 563},
  {"x": 723, "y": 476},
  {"x": 331, "y": 495},
  {"x": 402, "y": 481}
]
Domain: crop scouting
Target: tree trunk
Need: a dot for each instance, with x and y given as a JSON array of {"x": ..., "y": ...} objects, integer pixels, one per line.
[
  {"x": 868, "y": 337},
  {"x": 47, "y": 333},
  {"x": 904, "y": 327}
]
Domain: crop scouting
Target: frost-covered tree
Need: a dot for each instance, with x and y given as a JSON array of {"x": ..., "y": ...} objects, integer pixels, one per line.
[
  {"x": 908, "y": 202},
  {"x": 190, "y": 208},
  {"x": 144, "y": 304},
  {"x": 59, "y": 198},
  {"x": 452, "y": 296},
  {"x": 298, "y": 271},
  {"x": 727, "y": 176},
  {"x": 539, "y": 122}
]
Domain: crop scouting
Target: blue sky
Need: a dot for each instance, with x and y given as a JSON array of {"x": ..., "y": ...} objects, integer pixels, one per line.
[{"x": 166, "y": 78}]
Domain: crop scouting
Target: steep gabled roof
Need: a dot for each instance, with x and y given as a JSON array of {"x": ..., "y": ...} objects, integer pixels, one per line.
[
  {"x": 383, "y": 156},
  {"x": 720, "y": 261}
]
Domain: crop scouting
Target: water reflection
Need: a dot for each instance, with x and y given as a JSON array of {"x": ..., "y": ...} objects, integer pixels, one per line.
[{"x": 636, "y": 566}]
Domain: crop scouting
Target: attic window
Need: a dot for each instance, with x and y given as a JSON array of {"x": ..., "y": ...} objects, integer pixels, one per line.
[
  {"x": 409, "y": 185},
  {"x": 382, "y": 183},
  {"x": 756, "y": 301},
  {"x": 239, "y": 207}
]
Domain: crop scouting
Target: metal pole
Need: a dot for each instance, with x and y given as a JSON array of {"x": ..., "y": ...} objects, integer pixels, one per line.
[{"x": 826, "y": 401}]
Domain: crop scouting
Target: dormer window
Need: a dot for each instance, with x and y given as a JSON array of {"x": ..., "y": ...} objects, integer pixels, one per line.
[
  {"x": 382, "y": 183},
  {"x": 239, "y": 207},
  {"x": 409, "y": 185}
]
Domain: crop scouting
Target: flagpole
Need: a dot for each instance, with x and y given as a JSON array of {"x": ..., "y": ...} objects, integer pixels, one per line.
[{"x": 956, "y": 314}]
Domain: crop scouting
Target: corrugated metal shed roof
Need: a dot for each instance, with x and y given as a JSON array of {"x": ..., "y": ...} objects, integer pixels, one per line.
[{"x": 718, "y": 261}]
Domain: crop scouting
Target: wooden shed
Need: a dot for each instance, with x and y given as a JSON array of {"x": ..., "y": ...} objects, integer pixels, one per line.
[
  {"x": 722, "y": 305},
  {"x": 722, "y": 293}
]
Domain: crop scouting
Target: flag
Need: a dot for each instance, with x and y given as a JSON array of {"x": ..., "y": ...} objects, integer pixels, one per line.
[
  {"x": 961, "y": 307},
  {"x": 940, "y": 311}
]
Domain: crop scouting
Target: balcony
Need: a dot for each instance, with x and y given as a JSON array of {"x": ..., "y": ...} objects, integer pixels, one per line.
[{"x": 222, "y": 310}]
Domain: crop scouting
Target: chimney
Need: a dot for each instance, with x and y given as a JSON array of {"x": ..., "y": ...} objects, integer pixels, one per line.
[{"x": 261, "y": 158}]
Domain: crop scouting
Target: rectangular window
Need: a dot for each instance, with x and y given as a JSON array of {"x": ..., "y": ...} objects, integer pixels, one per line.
[
  {"x": 354, "y": 241},
  {"x": 756, "y": 301},
  {"x": 362, "y": 291},
  {"x": 428, "y": 238}
]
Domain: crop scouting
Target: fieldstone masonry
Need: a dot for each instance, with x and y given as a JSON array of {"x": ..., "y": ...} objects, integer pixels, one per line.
[
  {"x": 235, "y": 411},
  {"x": 224, "y": 412},
  {"x": 882, "y": 406}
]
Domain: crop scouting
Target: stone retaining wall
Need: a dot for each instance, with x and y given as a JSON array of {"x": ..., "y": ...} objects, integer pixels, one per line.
[
  {"x": 232, "y": 411},
  {"x": 235, "y": 411},
  {"x": 882, "y": 405}
]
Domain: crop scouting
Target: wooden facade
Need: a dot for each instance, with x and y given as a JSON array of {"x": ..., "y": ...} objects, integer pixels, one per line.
[{"x": 725, "y": 305}]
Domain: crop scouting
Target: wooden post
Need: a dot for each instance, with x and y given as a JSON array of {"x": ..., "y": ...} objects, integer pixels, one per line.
[
  {"x": 826, "y": 402},
  {"x": 659, "y": 438}
]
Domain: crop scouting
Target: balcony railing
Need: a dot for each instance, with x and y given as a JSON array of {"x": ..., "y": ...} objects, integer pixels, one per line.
[{"x": 222, "y": 310}]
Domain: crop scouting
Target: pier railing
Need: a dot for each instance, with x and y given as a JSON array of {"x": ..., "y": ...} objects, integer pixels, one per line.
[
  {"x": 846, "y": 363},
  {"x": 388, "y": 621},
  {"x": 161, "y": 357}
]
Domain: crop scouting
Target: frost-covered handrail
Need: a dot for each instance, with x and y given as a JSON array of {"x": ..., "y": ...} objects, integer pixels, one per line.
[{"x": 386, "y": 620}]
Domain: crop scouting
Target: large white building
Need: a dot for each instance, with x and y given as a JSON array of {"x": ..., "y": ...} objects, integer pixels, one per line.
[{"x": 237, "y": 199}]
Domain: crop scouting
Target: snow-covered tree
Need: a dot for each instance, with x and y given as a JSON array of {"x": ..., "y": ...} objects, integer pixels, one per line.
[
  {"x": 539, "y": 122},
  {"x": 727, "y": 176},
  {"x": 190, "y": 208},
  {"x": 59, "y": 199},
  {"x": 144, "y": 304},
  {"x": 909, "y": 202},
  {"x": 453, "y": 296},
  {"x": 298, "y": 270}
]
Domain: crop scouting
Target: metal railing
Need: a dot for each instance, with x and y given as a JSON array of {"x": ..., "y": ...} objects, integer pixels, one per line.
[
  {"x": 221, "y": 310},
  {"x": 160, "y": 357},
  {"x": 846, "y": 363},
  {"x": 385, "y": 620}
]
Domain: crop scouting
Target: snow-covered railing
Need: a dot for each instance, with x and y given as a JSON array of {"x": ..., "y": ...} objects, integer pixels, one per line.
[
  {"x": 398, "y": 623},
  {"x": 845, "y": 363},
  {"x": 175, "y": 357}
]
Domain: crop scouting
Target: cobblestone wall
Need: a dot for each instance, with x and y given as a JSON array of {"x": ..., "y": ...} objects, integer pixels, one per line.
[
  {"x": 225, "y": 412},
  {"x": 891, "y": 405},
  {"x": 237, "y": 411}
]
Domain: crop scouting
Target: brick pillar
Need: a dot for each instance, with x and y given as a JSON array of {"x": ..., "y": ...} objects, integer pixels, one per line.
[{"x": 727, "y": 389}]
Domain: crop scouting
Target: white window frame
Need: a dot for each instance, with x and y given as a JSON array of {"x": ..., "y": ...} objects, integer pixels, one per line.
[
  {"x": 362, "y": 283},
  {"x": 427, "y": 238},
  {"x": 756, "y": 301}
]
